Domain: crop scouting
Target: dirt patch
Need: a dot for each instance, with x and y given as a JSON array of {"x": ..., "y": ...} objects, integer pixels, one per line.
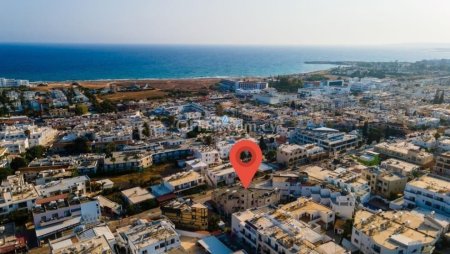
[
  {"x": 172, "y": 84},
  {"x": 161, "y": 84},
  {"x": 149, "y": 176},
  {"x": 135, "y": 95}
]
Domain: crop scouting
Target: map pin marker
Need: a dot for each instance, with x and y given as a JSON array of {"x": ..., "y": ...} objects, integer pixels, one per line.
[{"x": 245, "y": 170}]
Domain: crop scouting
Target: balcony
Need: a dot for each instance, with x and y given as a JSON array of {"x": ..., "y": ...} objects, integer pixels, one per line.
[{"x": 54, "y": 220}]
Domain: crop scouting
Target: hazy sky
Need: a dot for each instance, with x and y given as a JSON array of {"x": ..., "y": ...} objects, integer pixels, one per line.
[{"x": 274, "y": 22}]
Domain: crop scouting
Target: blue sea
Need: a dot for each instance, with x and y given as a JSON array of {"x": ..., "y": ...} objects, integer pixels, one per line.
[{"x": 52, "y": 62}]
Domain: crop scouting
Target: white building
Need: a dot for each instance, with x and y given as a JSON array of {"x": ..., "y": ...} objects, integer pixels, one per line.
[
  {"x": 76, "y": 185},
  {"x": 290, "y": 229},
  {"x": 137, "y": 195},
  {"x": 16, "y": 195},
  {"x": 224, "y": 148},
  {"x": 13, "y": 82},
  {"x": 329, "y": 139},
  {"x": 18, "y": 138},
  {"x": 223, "y": 175},
  {"x": 430, "y": 192},
  {"x": 153, "y": 237},
  {"x": 208, "y": 155},
  {"x": 196, "y": 165},
  {"x": 244, "y": 85},
  {"x": 183, "y": 181},
  {"x": 394, "y": 232},
  {"x": 56, "y": 214}
]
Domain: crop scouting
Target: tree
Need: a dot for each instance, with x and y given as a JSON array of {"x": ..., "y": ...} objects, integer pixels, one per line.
[
  {"x": 110, "y": 147},
  {"x": 81, "y": 109},
  {"x": 193, "y": 133},
  {"x": 106, "y": 106},
  {"x": 374, "y": 135},
  {"x": 365, "y": 129},
  {"x": 146, "y": 130},
  {"x": 293, "y": 105},
  {"x": 271, "y": 155},
  {"x": 5, "y": 172},
  {"x": 437, "y": 135},
  {"x": 262, "y": 144},
  {"x": 4, "y": 111},
  {"x": 35, "y": 152},
  {"x": 18, "y": 162},
  {"x": 208, "y": 140},
  {"x": 79, "y": 145},
  {"x": 219, "y": 109}
]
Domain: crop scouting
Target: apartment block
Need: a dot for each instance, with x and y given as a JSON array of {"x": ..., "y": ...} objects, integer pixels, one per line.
[
  {"x": 405, "y": 151},
  {"x": 183, "y": 181},
  {"x": 430, "y": 192},
  {"x": 121, "y": 161},
  {"x": 384, "y": 183},
  {"x": 144, "y": 237},
  {"x": 291, "y": 154},
  {"x": 16, "y": 195},
  {"x": 223, "y": 175},
  {"x": 97, "y": 244},
  {"x": 400, "y": 167},
  {"x": 394, "y": 232},
  {"x": 329, "y": 139},
  {"x": 296, "y": 227},
  {"x": 75, "y": 185},
  {"x": 208, "y": 155},
  {"x": 185, "y": 213},
  {"x": 56, "y": 214},
  {"x": 289, "y": 184},
  {"x": 442, "y": 166},
  {"x": 231, "y": 200},
  {"x": 137, "y": 195}
]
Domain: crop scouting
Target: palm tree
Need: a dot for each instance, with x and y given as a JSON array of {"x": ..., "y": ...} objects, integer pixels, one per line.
[{"x": 113, "y": 160}]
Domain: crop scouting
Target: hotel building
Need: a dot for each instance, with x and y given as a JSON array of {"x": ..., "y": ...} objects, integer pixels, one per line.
[{"x": 329, "y": 139}]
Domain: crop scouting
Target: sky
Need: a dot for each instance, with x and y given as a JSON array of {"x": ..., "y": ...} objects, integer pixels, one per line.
[{"x": 237, "y": 22}]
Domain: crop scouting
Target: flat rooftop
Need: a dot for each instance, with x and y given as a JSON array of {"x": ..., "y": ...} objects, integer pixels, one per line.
[
  {"x": 394, "y": 229},
  {"x": 147, "y": 233},
  {"x": 182, "y": 178},
  {"x": 137, "y": 195},
  {"x": 432, "y": 183},
  {"x": 404, "y": 166}
]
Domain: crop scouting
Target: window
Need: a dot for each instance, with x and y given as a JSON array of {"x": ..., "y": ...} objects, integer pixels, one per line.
[{"x": 376, "y": 248}]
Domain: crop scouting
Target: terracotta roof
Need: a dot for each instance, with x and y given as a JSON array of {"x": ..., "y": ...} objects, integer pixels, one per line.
[{"x": 53, "y": 198}]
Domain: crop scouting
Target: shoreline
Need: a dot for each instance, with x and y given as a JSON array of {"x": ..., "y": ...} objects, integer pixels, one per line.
[{"x": 181, "y": 78}]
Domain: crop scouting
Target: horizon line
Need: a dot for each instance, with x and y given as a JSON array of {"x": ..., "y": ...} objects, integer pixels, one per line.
[{"x": 411, "y": 44}]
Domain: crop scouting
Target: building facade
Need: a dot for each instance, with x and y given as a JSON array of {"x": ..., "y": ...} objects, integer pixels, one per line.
[{"x": 186, "y": 214}]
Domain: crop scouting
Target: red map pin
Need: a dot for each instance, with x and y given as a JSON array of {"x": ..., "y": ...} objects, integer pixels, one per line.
[{"x": 245, "y": 170}]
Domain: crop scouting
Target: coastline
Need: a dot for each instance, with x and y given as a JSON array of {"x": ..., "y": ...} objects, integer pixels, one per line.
[{"x": 163, "y": 84}]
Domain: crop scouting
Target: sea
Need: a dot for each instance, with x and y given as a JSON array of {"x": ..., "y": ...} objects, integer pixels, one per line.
[{"x": 61, "y": 62}]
